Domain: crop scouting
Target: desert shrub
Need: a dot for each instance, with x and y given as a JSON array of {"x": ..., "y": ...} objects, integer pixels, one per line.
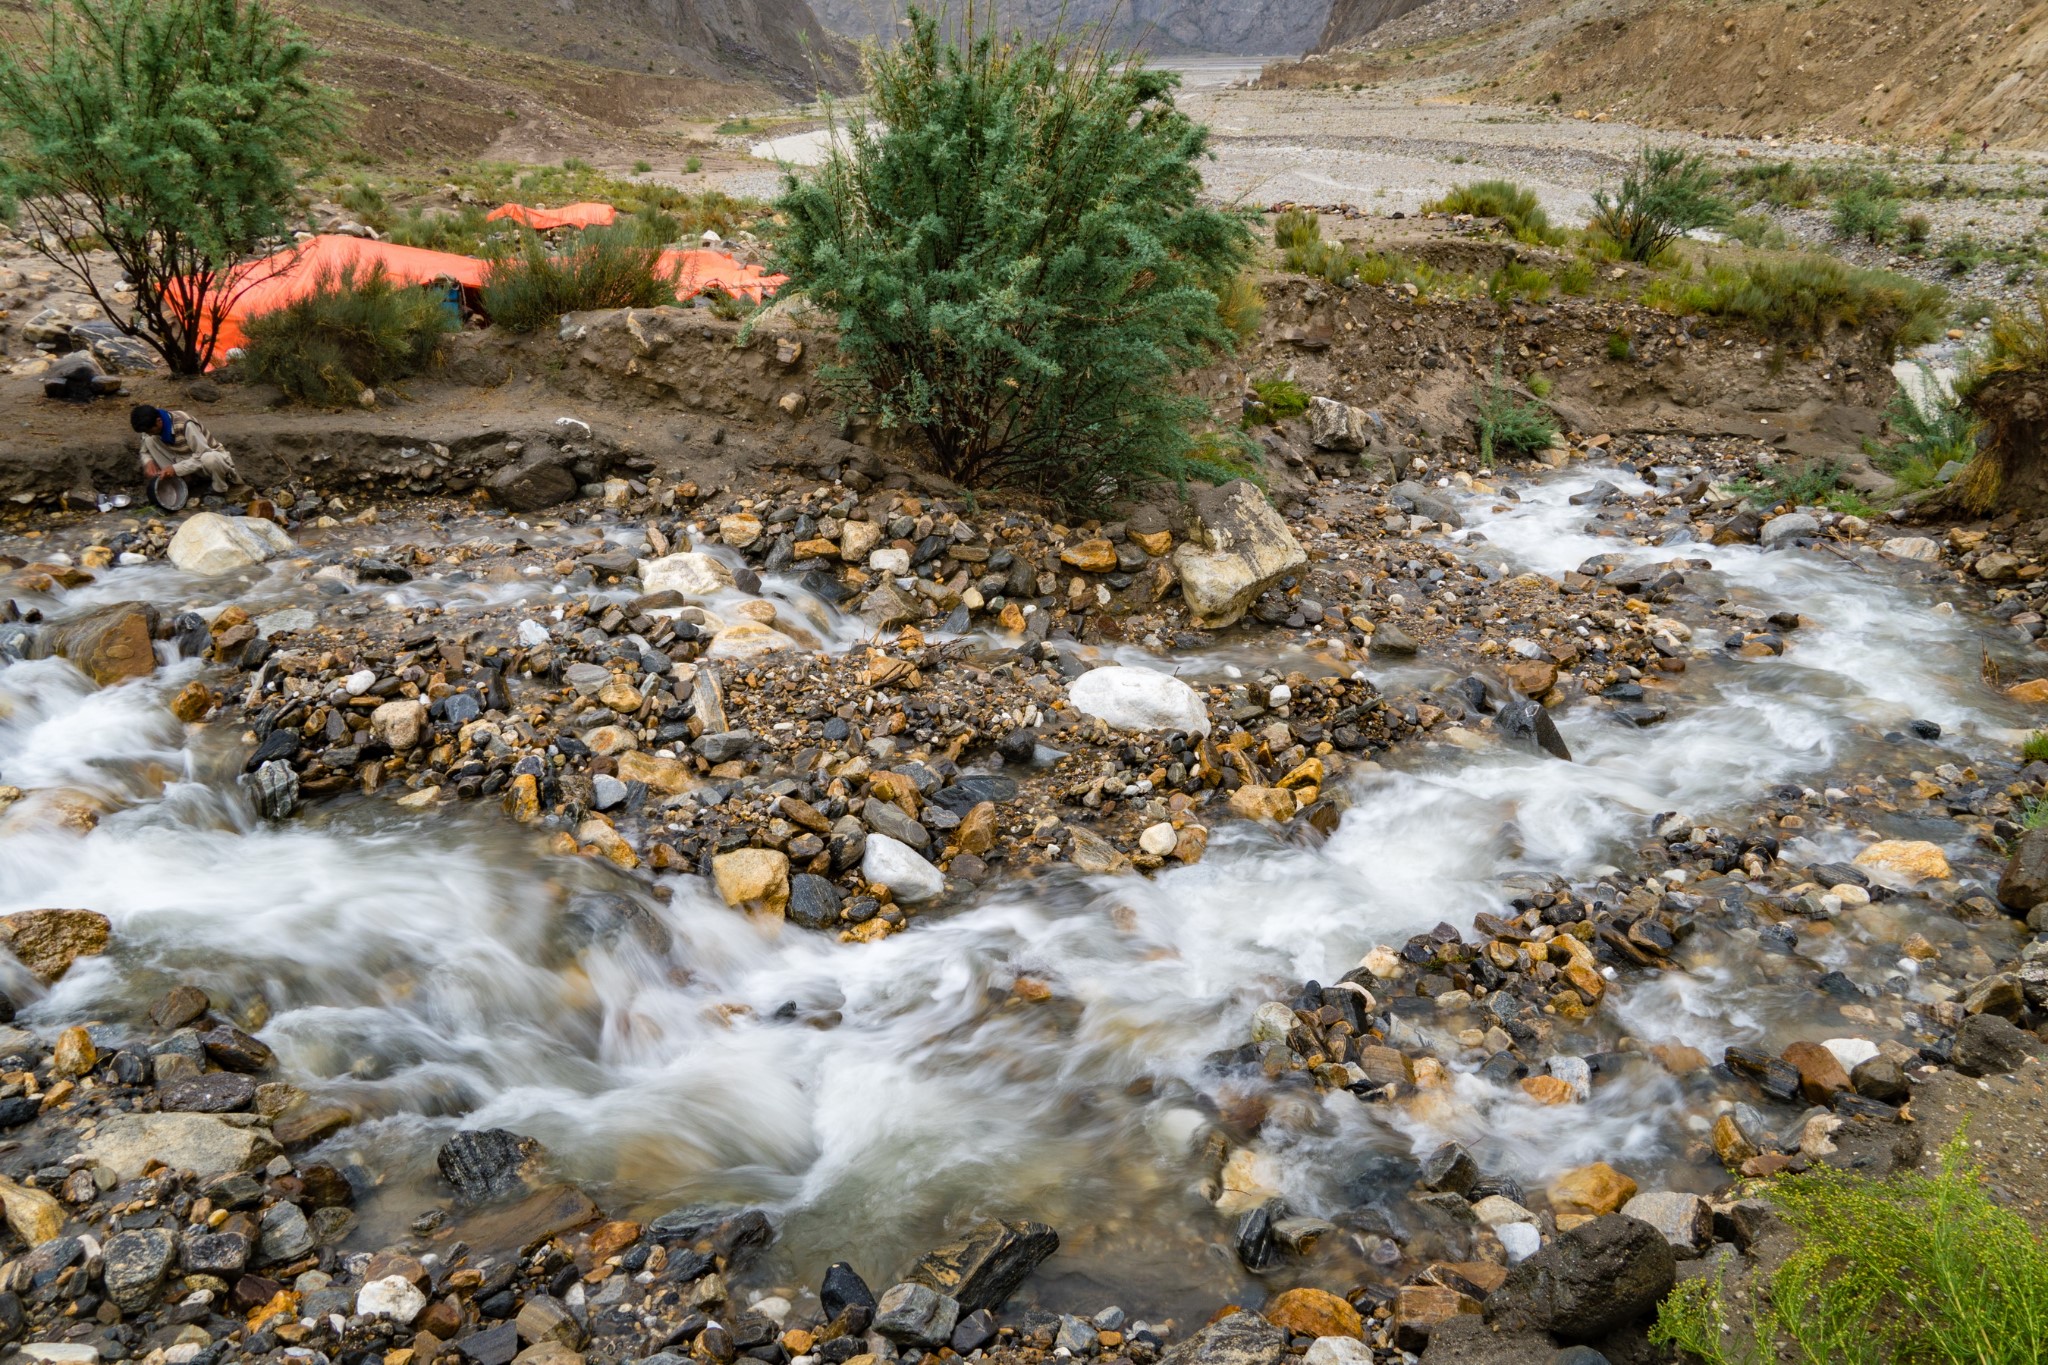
[
  {"x": 531, "y": 286},
  {"x": 1911, "y": 1268},
  {"x": 1925, "y": 442},
  {"x": 355, "y": 330},
  {"x": 693, "y": 165},
  {"x": 1241, "y": 304},
  {"x": 366, "y": 201},
  {"x": 1916, "y": 229},
  {"x": 465, "y": 231},
  {"x": 1508, "y": 423},
  {"x": 1012, "y": 242},
  {"x": 2019, "y": 338},
  {"x": 1665, "y": 195},
  {"x": 2034, "y": 748},
  {"x": 1518, "y": 281},
  {"x": 1805, "y": 297},
  {"x": 642, "y": 167},
  {"x": 1866, "y": 215},
  {"x": 1275, "y": 400},
  {"x": 1517, "y": 209},
  {"x": 1755, "y": 231},
  {"x": 1782, "y": 183},
  {"x": 1296, "y": 227},
  {"x": 1577, "y": 277}
]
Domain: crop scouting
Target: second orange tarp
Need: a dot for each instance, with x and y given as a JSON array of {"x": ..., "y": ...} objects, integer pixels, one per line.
[{"x": 547, "y": 220}]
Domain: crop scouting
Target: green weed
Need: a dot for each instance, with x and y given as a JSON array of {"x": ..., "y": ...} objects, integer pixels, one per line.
[
  {"x": 352, "y": 331},
  {"x": 1518, "y": 209}
]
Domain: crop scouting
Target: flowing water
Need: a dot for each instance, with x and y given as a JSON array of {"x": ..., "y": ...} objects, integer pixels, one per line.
[{"x": 437, "y": 970}]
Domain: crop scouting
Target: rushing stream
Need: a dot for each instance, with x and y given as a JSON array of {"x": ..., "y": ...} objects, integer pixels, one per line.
[{"x": 438, "y": 969}]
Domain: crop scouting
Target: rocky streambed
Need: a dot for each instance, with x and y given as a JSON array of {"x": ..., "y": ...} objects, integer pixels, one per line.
[{"x": 832, "y": 921}]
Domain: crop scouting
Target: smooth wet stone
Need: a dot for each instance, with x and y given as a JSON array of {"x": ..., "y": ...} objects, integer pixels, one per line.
[
  {"x": 1139, "y": 699},
  {"x": 916, "y": 1314}
]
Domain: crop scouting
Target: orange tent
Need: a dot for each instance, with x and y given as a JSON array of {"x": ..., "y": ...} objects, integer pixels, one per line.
[
  {"x": 697, "y": 271},
  {"x": 291, "y": 274},
  {"x": 547, "y": 220}
]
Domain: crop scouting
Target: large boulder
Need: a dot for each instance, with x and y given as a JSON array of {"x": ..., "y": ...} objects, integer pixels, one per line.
[
  {"x": 1238, "y": 549},
  {"x": 1424, "y": 501},
  {"x": 111, "y": 645},
  {"x": 1987, "y": 1045},
  {"x": 2025, "y": 883},
  {"x": 49, "y": 941},
  {"x": 1139, "y": 699},
  {"x": 1601, "y": 1275},
  {"x": 540, "y": 479},
  {"x": 205, "y": 1144},
  {"x": 209, "y": 543},
  {"x": 688, "y": 573},
  {"x": 1335, "y": 426}
]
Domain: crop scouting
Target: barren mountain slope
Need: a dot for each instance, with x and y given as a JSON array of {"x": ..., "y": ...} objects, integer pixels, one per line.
[
  {"x": 1248, "y": 26},
  {"x": 1914, "y": 70}
]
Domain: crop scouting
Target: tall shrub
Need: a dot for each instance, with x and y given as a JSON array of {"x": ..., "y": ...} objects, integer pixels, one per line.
[
  {"x": 166, "y": 131},
  {"x": 532, "y": 286},
  {"x": 1017, "y": 260},
  {"x": 353, "y": 330},
  {"x": 1665, "y": 195}
]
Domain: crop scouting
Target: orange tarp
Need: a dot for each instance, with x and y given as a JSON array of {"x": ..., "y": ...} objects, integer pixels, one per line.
[
  {"x": 547, "y": 220},
  {"x": 292, "y": 273},
  {"x": 697, "y": 271}
]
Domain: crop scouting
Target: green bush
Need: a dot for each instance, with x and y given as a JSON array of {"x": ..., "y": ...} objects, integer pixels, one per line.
[
  {"x": 1518, "y": 281},
  {"x": 465, "y": 231},
  {"x": 1867, "y": 215},
  {"x": 2034, "y": 748},
  {"x": 1926, "y": 442},
  {"x": 1509, "y": 423},
  {"x": 174, "y": 129},
  {"x": 1517, "y": 209},
  {"x": 1011, "y": 239},
  {"x": 1577, "y": 277},
  {"x": 1295, "y": 228},
  {"x": 1782, "y": 183},
  {"x": 1664, "y": 196},
  {"x": 529, "y": 288},
  {"x": 1619, "y": 347},
  {"x": 1898, "y": 1271},
  {"x": 1805, "y": 297},
  {"x": 353, "y": 331}
]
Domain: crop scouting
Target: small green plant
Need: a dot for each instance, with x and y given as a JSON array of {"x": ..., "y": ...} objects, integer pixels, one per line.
[
  {"x": 1275, "y": 400},
  {"x": 352, "y": 331},
  {"x": 1781, "y": 183},
  {"x": 642, "y": 167},
  {"x": 530, "y": 287},
  {"x": 1911, "y": 1268},
  {"x": 1916, "y": 229},
  {"x": 734, "y": 127},
  {"x": 1538, "y": 385},
  {"x": 1619, "y": 347},
  {"x": 1864, "y": 214},
  {"x": 1508, "y": 423},
  {"x": 693, "y": 165},
  {"x": 2034, "y": 749},
  {"x": 1805, "y": 485},
  {"x": 1296, "y": 228},
  {"x": 1518, "y": 209},
  {"x": 1807, "y": 296},
  {"x": 575, "y": 163},
  {"x": 1518, "y": 281},
  {"x": 1665, "y": 195},
  {"x": 1241, "y": 304},
  {"x": 1576, "y": 278},
  {"x": 366, "y": 201},
  {"x": 465, "y": 231},
  {"x": 1755, "y": 231},
  {"x": 1928, "y": 440},
  {"x": 2033, "y": 812}
]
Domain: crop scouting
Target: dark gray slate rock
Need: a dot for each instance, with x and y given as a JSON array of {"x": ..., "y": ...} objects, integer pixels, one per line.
[
  {"x": 2025, "y": 883},
  {"x": 1240, "y": 1338},
  {"x": 1987, "y": 1045},
  {"x": 538, "y": 481},
  {"x": 813, "y": 902},
  {"x": 135, "y": 1264},
  {"x": 486, "y": 1163},
  {"x": 1597, "y": 1277},
  {"x": 985, "y": 1267},
  {"x": 916, "y": 1315},
  {"x": 216, "y": 1092}
]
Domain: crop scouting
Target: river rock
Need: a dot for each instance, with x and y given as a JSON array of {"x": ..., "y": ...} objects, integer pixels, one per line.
[
  {"x": 1594, "y": 1189},
  {"x": 49, "y": 941},
  {"x": 886, "y": 817},
  {"x": 1528, "y": 722},
  {"x": 209, "y": 543},
  {"x": 753, "y": 879},
  {"x": 214, "y": 1092},
  {"x": 204, "y": 1144},
  {"x": 1788, "y": 529},
  {"x": 1821, "y": 1075},
  {"x": 1600, "y": 1275},
  {"x": 274, "y": 786},
  {"x": 134, "y": 1264},
  {"x": 1239, "y": 1338},
  {"x": 1987, "y": 1045},
  {"x": 1424, "y": 501},
  {"x": 891, "y": 863},
  {"x": 1913, "y": 859},
  {"x": 399, "y": 723},
  {"x": 1315, "y": 1313},
  {"x": 984, "y": 1268},
  {"x": 1337, "y": 1351},
  {"x": 689, "y": 573},
  {"x": 745, "y": 640},
  {"x": 1335, "y": 426},
  {"x": 32, "y": 1215},
  {"x": 488, "y": 1163},
  {"x": 541, "y": 478},
  {"x": 1239, "y": 547},
  {"x": 392, "y": 1297},
  {"x": 814, "y": 902},
  {"x": 1389, "y": 638},
  {"x": 916, "y": 1315},
  {"x": 842, "y": 1288},
  {"x": 1450, "y": 1168},
  {"x": 285, "y": 1234},
  {"x": 110, "y": 645},
  {"x": 1686, "y": 1220},
  {"x": 1139, "y": 699},
  {"x": 2025, "y": 883}
]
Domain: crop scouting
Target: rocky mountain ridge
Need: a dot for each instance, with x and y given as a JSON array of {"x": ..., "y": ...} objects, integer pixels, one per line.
[{"x": 1257, "y": 27}]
